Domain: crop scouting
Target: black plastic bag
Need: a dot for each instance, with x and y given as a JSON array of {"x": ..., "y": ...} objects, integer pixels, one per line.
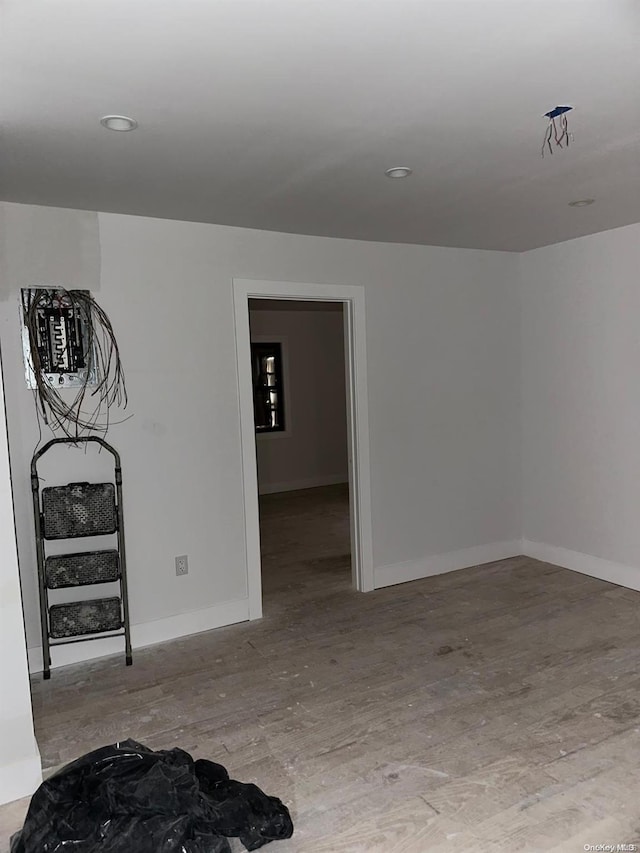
[{"x": 127, "y": 798}]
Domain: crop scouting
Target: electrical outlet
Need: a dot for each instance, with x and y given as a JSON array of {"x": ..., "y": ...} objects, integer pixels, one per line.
[{"x": 182, "y": 565}]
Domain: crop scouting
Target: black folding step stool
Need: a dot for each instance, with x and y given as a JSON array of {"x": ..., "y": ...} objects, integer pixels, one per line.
[{"x": 71, "y": 512}]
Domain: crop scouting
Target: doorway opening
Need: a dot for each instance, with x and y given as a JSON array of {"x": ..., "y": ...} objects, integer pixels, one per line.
[
  {"x": 345, "y": 494},
  {"x": 300, "y": 415}
]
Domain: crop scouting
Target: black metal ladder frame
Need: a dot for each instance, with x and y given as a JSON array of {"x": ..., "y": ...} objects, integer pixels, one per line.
[{"x": 40, "y": 554}]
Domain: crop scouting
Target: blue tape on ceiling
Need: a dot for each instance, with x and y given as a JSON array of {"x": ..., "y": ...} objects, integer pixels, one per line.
[{"x": 557, "y": 111}]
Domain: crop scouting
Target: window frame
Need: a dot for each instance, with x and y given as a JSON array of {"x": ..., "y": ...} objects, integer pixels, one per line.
[{"x": 270, "y": 434}]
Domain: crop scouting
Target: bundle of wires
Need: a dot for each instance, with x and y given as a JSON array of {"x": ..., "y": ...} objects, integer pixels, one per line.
[
  {"x": 103, "y": 383},
  {"x": 557, "y": 132}
]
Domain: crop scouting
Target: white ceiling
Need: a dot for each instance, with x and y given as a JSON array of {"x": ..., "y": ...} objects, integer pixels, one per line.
[{"x": 284, "y": 114}]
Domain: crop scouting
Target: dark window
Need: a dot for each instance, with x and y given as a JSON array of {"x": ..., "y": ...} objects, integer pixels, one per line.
[{"x": 268, "y": 402}]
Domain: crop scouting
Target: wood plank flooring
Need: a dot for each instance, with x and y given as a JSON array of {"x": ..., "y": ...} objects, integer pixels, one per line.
[{"x": 492, "y": 709}]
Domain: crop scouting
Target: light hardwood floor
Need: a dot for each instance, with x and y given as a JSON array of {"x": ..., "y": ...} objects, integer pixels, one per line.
[{"x": 491, "y": 709}]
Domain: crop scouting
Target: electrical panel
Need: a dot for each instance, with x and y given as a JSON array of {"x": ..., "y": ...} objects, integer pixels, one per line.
[{"x": 61, "y": 331}]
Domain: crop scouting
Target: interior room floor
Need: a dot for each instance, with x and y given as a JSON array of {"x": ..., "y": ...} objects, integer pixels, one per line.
[{"x": 491, "y": 709}]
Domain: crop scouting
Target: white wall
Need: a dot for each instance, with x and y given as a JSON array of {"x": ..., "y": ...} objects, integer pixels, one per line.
[
  {"x": 449, "y": 389},
  {"x": 19, "y": 757},
  {"x": 581, "y": 403},
  {"x": 443, "y": 374},
  {"x": 312, "y": 451}
]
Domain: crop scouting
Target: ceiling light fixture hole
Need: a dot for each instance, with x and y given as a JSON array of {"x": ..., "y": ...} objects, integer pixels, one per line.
[{"x": 582, "y": 202}]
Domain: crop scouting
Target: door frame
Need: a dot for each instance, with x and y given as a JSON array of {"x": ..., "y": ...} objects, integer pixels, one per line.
[{"x": 352, "y": 299}]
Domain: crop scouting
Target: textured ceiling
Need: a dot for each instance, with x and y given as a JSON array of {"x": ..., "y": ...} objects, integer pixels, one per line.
[{"x": 284, "y": 114}]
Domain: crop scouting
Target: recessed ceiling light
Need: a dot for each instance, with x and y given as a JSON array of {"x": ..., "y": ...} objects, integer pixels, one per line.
[
  {"x": 119, "y": 123},
  {"x": 398, "y": 172},
  {"x": 582, "y": 202}
]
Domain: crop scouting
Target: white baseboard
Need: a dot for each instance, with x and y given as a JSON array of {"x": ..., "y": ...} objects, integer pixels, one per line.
[
  {"x": 295, "y": 485},
  {"x": 146, "y": 634},
  {"x": 439, "y": 564},
  {"x": 20, "y": 779},
  {"x": 596, "y": 567}
]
